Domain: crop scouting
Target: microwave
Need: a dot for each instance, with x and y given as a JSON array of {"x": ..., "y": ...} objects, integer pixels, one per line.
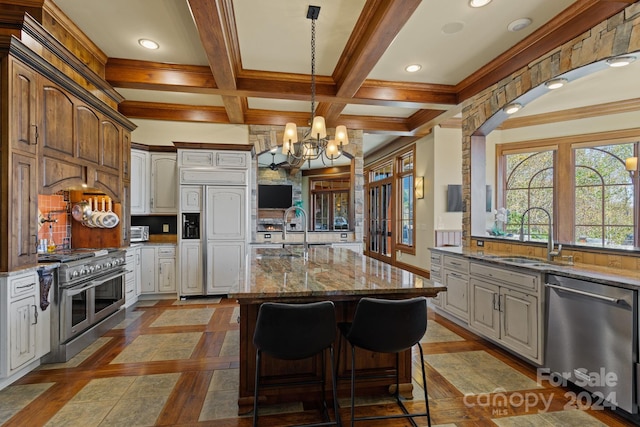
[{"x": 139, "y": 233}]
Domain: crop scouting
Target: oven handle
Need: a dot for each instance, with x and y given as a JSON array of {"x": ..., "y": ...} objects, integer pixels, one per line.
[
  {"x": 94, "y": 283},
  {"x": 586, "y": 294}
]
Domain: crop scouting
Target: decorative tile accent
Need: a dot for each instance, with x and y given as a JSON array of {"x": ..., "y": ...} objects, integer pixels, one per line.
[
  {"x": 147, "y": 348},
  {"x": 191, "y": 316}
]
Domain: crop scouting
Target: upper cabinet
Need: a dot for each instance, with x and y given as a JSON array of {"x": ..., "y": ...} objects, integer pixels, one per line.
[{"x": 154, "y": 183}]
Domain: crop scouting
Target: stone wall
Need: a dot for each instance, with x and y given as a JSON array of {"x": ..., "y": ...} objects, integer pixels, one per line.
[{"x": 616, "y": 36}]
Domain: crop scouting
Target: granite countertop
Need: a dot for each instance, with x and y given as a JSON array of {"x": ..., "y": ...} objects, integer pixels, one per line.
[
  {"x": 328, "y": 272},
  {"x": 629, "y": 279}
]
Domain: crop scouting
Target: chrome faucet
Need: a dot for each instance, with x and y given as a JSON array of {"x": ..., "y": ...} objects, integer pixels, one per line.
[
  {"x": 305, "y": 227},
  {"x": 550, "y": 246}
]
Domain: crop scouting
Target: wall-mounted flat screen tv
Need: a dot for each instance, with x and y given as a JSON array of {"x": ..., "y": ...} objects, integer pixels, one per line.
[
  {"x": 274, "y": 196},
  {"x": 454, "y": 198}
]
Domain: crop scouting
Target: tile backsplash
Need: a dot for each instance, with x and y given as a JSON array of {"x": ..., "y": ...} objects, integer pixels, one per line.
[{"x": 57, "y": 208}]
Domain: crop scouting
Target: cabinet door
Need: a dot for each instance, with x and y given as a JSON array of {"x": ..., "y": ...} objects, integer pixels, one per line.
[
  {"x": 519, "y": 321},
  {"x": 22, "y": 325},
  {"x": 166, "y": 275},
  {"x": 87, "y": 134},
  {"x": 148, "y": 269},
  {"x": 164, "y": 183},
  {"x": 23, "y": 210},
  {"x": 226, "y": 212},
  {"x": 23, "y": 109},
  {"x": 139, "y": 182},
  {"x": 225, "y": 264},
  {"x": 484, "y": 314},
  {"x": 191, "y": 269},
  {"x": 191, "y": 198},
  {"x": 456, "y": 299},
  {"x": 110, "y": 145}
]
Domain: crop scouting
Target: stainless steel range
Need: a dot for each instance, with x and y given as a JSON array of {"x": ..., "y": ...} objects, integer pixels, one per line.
[{"x": 88, "y": 294}]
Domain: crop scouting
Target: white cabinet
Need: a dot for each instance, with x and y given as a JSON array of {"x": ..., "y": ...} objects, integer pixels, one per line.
[
  {"x": 24, "y": 326},
  {"x": 154, "y": 183},
  {"x": 164, "y": 183},
  {"x": 139, "y": 182},
  {"x": 191, "y": 282},
  {"x": 356, "y": 247},
  {"x": 214, "y": 159},
  {"x": 158, "y": 269},
  {"x": 505, "y": 306},
  {"x": 436, "y": 277},
  {"x": 132, "y": 276},
  {"x": 456, "y": 279},
  {"x": 190, "y": 198},
  {"x": 225, "y": 264},
  {"x": 226, "y": 208}
]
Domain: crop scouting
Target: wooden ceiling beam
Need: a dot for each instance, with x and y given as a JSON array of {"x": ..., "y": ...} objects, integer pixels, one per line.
[{"x": 215, "y": 22}]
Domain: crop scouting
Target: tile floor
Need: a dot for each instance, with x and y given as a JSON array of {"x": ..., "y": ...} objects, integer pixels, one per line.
[{"x": 176, "y": 363}]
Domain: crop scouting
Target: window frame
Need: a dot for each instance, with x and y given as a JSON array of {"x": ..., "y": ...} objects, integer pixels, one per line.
[
  {"x": 331, "y": 193},
  {"x": 399, "y": 175}
]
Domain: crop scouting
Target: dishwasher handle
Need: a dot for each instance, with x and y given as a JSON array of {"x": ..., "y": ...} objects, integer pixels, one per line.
[{"x": 586, "y": 294}]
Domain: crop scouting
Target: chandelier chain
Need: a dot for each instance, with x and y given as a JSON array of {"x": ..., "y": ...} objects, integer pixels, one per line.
[{"x": 313, "y": 68}]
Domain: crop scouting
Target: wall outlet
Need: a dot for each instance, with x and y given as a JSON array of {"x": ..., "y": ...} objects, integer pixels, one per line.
[
  {"x": 267, "y": 236},
  {"x": 165, "y": 228},
  {"x": 343, "y": 235},
  {"x": 480, "y": 243}
]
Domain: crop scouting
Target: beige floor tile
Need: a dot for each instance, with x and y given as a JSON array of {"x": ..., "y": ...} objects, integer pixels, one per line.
[
  {"x": 477, "y": 372},
  {"x": 80, "y": 357},
  {"x": 142, "y": 411},
  {"x": 82, "y": 414},
  {"x": 225, "y": 379},
  {"x": 16, "y": 397},
  {"x": 219, "y": 404},
  {"x": 438, "y": 333},
  {"x": 571, "y": 418},
  {"x": 192, "y": 316},
  {"x": 152, "y": 385},
  {"x": 231, "y": 344},
  {"x": 103, "y": 389},
  {"x": 172, "y": 354},
  {"x": 146, "y": 348}
]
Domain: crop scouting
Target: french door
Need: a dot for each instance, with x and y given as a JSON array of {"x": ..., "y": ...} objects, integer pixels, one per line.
[{"x": 380, "y": 221}]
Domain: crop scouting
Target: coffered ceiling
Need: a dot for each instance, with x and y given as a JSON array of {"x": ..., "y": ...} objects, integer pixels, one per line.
[{"x": 249, "y": 61}]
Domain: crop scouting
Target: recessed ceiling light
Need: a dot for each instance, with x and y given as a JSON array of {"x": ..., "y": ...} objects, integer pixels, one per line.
[
  {"x": 620, "y": 61},
  {"x": 512, "y": 108},
  {"x": 413, "y": 68},
  {"x": 479, "y": 3},
  {"x": 519, "y": 24},
  {"x": 556, "y": 83},
  {"x": 148, "y": 44}
]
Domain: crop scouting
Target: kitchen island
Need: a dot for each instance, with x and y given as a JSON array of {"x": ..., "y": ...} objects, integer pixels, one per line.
[{"x": 335, "y": 274}]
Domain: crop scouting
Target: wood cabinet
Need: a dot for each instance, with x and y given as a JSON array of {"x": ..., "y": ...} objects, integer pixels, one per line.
[
  {"x": 456, "y": 278},
  {"x": 23, "y": 98},
  {"x": 158, "y": 269}
]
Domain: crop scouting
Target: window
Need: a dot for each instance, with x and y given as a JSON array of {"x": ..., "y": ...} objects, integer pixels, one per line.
[
  {"x": 406, "y": 212},
  {"x": 594, "y": 204},
  {"x": 330, "y": 203}
]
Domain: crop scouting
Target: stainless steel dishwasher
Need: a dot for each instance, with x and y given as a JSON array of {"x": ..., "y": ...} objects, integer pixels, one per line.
[{"x": 592, "y": 338}]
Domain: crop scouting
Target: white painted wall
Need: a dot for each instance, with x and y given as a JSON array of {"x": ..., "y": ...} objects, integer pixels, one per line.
[{"x": 447, "y": 169}]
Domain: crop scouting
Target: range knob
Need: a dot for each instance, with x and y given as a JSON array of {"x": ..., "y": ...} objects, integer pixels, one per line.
[
  {"x": 91, "y": 269},
  {"x": 107, "y": 265},
  {"x": 75, "y": 274},
  {"x": 98, "y": 267},
  {"x": 83, "y": 272}
]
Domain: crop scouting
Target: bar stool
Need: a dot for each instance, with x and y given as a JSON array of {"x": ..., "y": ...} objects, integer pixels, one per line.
[
  {"x": 387, "y": 326},
  {"x": 293, "y": 332}
]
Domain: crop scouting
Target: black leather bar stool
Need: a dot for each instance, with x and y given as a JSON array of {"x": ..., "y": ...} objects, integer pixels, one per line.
[
  {"x": 293, "y": 332},
  {"x": 387, "y": 326}
]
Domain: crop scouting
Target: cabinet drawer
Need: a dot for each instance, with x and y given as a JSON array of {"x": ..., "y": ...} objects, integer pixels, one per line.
[
  {"x": 196, "y": 158},
  {"x": 23, "y": 285},
  {"x": 456, "y": 263},
  {"x": 208, "y": 176},
  {"x": 436, "y": 258},
  {"x": 231, "y": 160},
  {"x": 505, "y": 276},
  {"x": 166, "y": 251},
  {"x": 436, "y": 272}
]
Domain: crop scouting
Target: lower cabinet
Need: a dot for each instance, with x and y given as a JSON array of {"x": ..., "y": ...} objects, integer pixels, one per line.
[
  {"x": 158, "y": 269},
  {"x": 191, "y": 268},
  {"x": 455, "y": 276},
  {"x": 132, "y": 277},
  {"x": 225, "y": 264},
  {"x": 24, "y": 326},
  {"x": 509, "y": 316}
]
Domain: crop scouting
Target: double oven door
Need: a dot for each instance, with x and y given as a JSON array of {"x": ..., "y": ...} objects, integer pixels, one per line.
[{"x": 85, "y": 304}]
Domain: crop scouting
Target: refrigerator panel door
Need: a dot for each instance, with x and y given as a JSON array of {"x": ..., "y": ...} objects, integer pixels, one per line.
[{"x": 225, "y": 212}]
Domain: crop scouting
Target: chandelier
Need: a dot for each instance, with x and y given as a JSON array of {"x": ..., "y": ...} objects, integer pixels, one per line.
[{"x": 315, "y": 144}]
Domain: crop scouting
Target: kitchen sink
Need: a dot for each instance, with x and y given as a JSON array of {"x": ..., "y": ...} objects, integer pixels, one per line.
[{"x": 529, "y": 262}]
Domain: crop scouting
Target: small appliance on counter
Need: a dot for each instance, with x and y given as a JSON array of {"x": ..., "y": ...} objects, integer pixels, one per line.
[
  {"x": 191, "y": 225},
  {"x": 139, "y": 233}
]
